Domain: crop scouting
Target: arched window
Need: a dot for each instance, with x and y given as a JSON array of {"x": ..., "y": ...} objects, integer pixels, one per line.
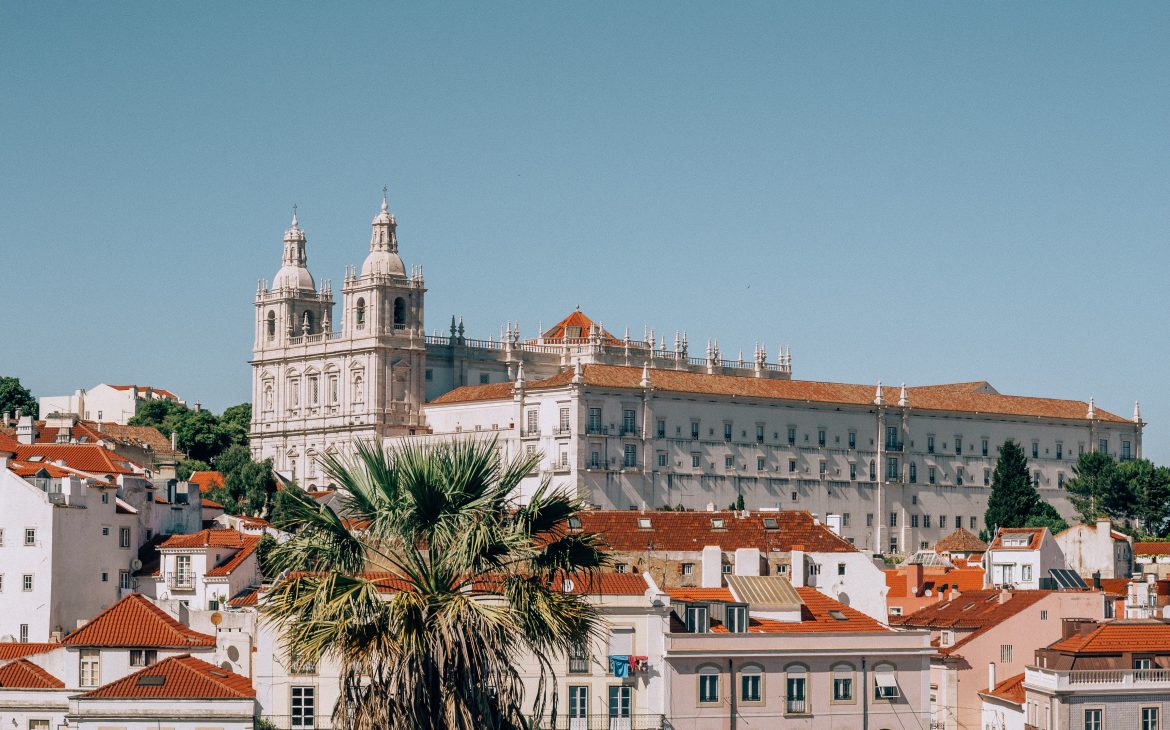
[
  {"x": 843, "y": 683},
  {"x": 271, "y": 324},
  {"x": 361, "y": 312},
  {"x": 885, "y": 682},
  {"x": 399, "y": 312},
  {"x": 709, "y": 684},
  {"x": 796, "y": 689},
  {"x": 751, "y": 683}
]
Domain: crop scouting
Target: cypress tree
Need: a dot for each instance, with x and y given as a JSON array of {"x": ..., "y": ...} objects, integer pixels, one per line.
[{"x": 1013, "y": 497}]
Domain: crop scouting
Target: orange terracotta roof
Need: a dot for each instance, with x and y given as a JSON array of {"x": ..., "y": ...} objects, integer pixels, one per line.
[
  {"x": 89, "y": 458},
  {"x": 960, "y": 541},
  {"x": 686, "y": 595},
  {"x": 181, "y": 677},
  {"x": 1010, "y": 689},
  {"x": 228, "y": 565},
  {"x": 692, "y": 531},
  {"x": 222, "y": 537},
  {"x": 936, "y": 581},
  {"x": 979, "y": 610},
  {"x": 135, "y": 621},
  {"x": 18, "y": 649},
  {"x": 938, "y": 398},
  {"x": 1151, "y": 548},
  {"x": 244, "y": 598},
  {"x": 606, "y": 584},
  {"x": 582, "y": 325},
  {"x": 211, "y": 504},
  {"x": 1118, "y": 636},
  {"x": 23, "y": 674},
  {"x": 816, "y": 616},
  {"x": 206, "y": 480},
  {"x": 1034, "y": 535},
  {"x": 1115, "y": 586},
  {"x": 32, "y": 469}
]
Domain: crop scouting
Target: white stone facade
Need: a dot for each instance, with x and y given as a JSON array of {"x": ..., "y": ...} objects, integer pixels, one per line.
[{"x": 104, "y": 403}]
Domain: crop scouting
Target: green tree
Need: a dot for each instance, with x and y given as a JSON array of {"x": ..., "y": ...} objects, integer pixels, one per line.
[
  {"x": 1149, "y": 487},
  {"x": 1046, "y": 516},
  {"x": 13, "y": 395},
  {"x": 476, "y": 580},
  {"x": 263, "y": 552},
  {"x": 247, "y": 485},
  {"x": 235, "y": 423},
  {"x": 1013, "y": 497},
  {"x": 156, "y": 413},
  {"x": 1093, "y": 486},
  {"x": 187, "y": 467}
]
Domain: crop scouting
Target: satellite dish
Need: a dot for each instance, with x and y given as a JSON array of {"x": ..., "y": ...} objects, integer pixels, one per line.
[
  {"x": 135, "y": 564},
  {"x": 216, "y": 618},
  {"x": 567, "y": 585}
]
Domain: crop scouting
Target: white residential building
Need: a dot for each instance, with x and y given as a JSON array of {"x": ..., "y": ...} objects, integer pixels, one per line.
[
  {"x": 204, "y": 569},
  {"x": 113, "y": 403},
  {"x": 1022, "y": 557},
  {"x": 1097, "y": 549}
]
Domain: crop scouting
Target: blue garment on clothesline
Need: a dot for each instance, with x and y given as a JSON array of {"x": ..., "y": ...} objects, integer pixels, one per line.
[{"x": 619, "y": 666}]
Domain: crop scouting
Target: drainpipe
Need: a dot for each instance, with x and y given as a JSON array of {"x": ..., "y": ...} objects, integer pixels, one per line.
[
  {"x": 731, "y": 692},
  {"x": 864, "y": 696}
]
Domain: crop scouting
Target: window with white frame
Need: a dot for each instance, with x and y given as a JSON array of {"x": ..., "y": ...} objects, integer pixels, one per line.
[
  {"x": 1093, "y": 719},
  {"x": 90, "y": 668},
  {"x": 751, "y": 683},
  {"x": 842, "y": 683},
  {"x": 578, "y": 702},
  {"x": 796, "y": 689},
  {"x": 143, "y": 657},
  {"x": 708, "y": 684},
  {"x": 736, "y": 619},
  {"x": 302, "y": 707},
  {"x": 885, "y": 682},
  {"x": 30, "y": 536},
  {"x": 26, "y": 582},
  {"x": 696, "y": 618},
  {"x": 124, "y": 537}
]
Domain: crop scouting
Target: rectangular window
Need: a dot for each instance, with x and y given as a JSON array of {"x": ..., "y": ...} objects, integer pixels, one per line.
[
  {"x": 736, "y": 619},
  {"x": 628, "y": 425},
  {"x": 533, "y": 422},
  {"x": 694, "y": 429},
  {"x": 143, "y": 657},
  {"x": 931, "y": 475},
  {"x": 124, "y": 581},
  {"x": 661, "y": 458},
  {"x": 1035, "y": 449},
  {"x": 891, "y": 468},
  {"x": 926, "y": 521},
  {"x": 1126, "y": 455},
  {"x": 294, "y": 392},
  {"x": 38, "y": 725},
  {"x": 913, "y": 473},
  {"x": 30, "y": 536},
  {"x": 820, "y": 437},
  {"x": 726, "y": 431},
  {"x": 986, "y": 477},
  {"x": 303, "y": 707},
  {"x": 661, "y": 429},
  {"x": 869, "y": 519},
  {"x": 958, "y": 446},
  {"x": 1103, "y": 446},
  {"x": 893, "y": 544},
  {"x": 696, "y": 618},
  {"x": 621, "y": 641},
  {"x": 913, "y": 521},
  {"x": 983, "y": 447},
  {"x": 564, "y": 417},
  {"x": 1026, "y": 573},
  {"x": 893, "y": 519},
  {"x": 892, "y": 438},
  {"x": 688, "y": 568},
  {"x": 795, "y": 697},
  {"x": 124, "y": 537},
  {"x": 759, "y": 463},
  {"x": 845, "y": 519},
  {"x": 619, "y": 702},
  {"x": 26, "y": 582},
  {"x": 759, "y": 433},
  {"x": 1060, "y": 480},
  {"x": 1093, "y": 720},
  {"x": 1036, "y": 479},
  {"x": 314, "y": 390},
  {"x": 1144, "y": 663},
  {"x": 708, "y": 686},
  {"x": 578, "y": 703},
  {"x": 24, "y": 633},
  {"x": 595, "y": 460},
  {"x": 728, "y": 462},
  {"x": 696, "y": 459},
  {"x": 1150, "y": 718},
  {"x": 852, "y": 472},
  {"x": 750, "y": 686},
  {"x": 90, "y": 669},
  {"x": 842, "y": 685},
  {"x": 1005, "y": 653},
  {"x": 930, "y": 444},
  {"x": 792, "y": 466},
  {"x": 578, "y": 659},
  {"x": 821, "y": 469},
  {"x": 872, "y": 471},
  {"x": 1059, "y": 450},
  {"x": 594, "y": 420},
  {"x": 853, "y": 439},
  {"x": 959, "y": 475},
  {"x": 973, "y": 523},
  {"x": 791, "y": 435},
  {"x": 333, "y": 390},
  {"x": 631, "y": 456}
]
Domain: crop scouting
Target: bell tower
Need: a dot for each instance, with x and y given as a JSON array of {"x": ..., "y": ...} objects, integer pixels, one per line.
[{"x": 291, "y": 307}]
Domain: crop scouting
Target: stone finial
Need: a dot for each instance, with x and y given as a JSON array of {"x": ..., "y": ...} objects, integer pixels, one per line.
[
  {"x": 579, "y": 373},
  {"x": 645, "y": 382},
  {"x": 878, "y": 398},
  {"x": 1092, "y": 409},
  {"x": 902, "y": 400},
  {"x": 1137, "y": 412},
  {"x": 520, "y": 375}
]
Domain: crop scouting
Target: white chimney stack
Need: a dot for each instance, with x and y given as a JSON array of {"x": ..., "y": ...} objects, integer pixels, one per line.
[
  {"x": 712, "y": 567},
  {"x": 990, "y": 676}
]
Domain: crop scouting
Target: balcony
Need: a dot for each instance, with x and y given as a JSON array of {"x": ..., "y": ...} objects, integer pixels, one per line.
[
  {"x": 563, "y": 431},
  {"x": 596, "y": 429},
  {"x": 181, "y": 581},
  {"x": 894, "y": 446},
  {"x": 1099, "y": 680},
  {"x": 600, "y": 722},
  {"x": 629, "y": 429},
  {"x": 298, "y": 722},
  {"x": 529, "y": 433}
]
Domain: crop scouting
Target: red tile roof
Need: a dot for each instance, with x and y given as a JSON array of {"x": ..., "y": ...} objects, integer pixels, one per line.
[
  {"x": 89, "y": 458},
  {"x": 964, "y": 579},
  {"x": 692, "y": 531},
  {"x": 246, "y": 597},
  {"x": 1118, "y": 636},
  {"x": 33, "y": 468},
  {"x": 1115, "y": 586},
  {"x": 1034, "y": 535},
  {"x": 221, "y": 537},
  {"x": 963, "y": 397},
  {"x": 228, "y": 565},
  {"x": 23, "y": 674},
  {"x": 577, "y": 319},
  {"x": 684, "y": 595},
  {"x": 816, "y": 615},
  {"x": 211, "y": 504},
  {"x": 960, "y": 541},
  {"x": 1010, "y": 689},
  {"x": 135, "y": 621},
  {"x": 979, "y": 610},
  {"x": 178, "y": 678},
  {"x": 206, "y": 480},
  {"x": 606, "y": 584},
  {"x": 18, "y": 649},
  {"x": 1151, "y": 548}
]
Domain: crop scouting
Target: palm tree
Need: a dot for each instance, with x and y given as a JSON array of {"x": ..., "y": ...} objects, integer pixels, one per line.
[{"x": 429, "y": 582}]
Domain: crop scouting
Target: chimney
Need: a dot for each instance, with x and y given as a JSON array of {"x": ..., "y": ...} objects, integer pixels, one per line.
[
  {"x": 914, "y": 572},
  {"x": 796, "y": 566},
  {"x": 174, "y": 440},
  {"x": 1096, "y": 580},
  {"x": 4, "y": 457},
  {"x": 990, "y": 676},
  {"x": 7, "y": 419},
  {"x": 712, "y": 567},
  {"x": 25, "y": 429},
  {"x": 198, "y": 406},
  {"x": 1004, "y": 596}
]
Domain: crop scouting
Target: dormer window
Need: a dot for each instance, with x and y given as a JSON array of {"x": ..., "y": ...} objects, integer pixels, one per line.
[
  {"x": 574, "y": 523},
  {"x": 737, "y": 619},
  {"x": 643, "y": 523},
  {"x": 697, "y": 618},
  {"x": 770, "y": 523},
  {"x": 717, "y": 523}
]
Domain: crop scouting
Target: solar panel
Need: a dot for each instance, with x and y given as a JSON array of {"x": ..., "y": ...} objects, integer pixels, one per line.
[{"x": 1067, "y": 579}]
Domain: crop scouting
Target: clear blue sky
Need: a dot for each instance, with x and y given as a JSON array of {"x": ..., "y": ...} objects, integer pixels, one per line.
[{"x": 922, "y": 192}]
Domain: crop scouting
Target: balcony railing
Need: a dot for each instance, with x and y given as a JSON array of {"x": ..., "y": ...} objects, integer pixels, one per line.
[
  {"x": 596, "y": 429},
  {"x": 299, "y": 722},
  {"x": 563, "y": 431},
  {"x": 529, "y": 432},
  {"x": 181, "y": 581},
  {"x": 1094, "y": 679},
  {"x": 894, "y": 446},
  {"x": 629, "y": 430},
  {"x": 794, "y": 707},
  {"x": 600, "y": 722}
]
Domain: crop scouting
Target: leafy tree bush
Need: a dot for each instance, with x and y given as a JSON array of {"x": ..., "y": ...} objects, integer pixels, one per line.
[{"x": 15, "y": 396}]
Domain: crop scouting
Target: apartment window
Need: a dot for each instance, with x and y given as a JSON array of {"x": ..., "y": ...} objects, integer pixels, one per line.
[
  {"x": 986, "y": 477},
  {"x": 302, "y": 706},
  {"x": 973, "y": 522},
  {"x": 728, "y": 461},
  {"x": 751, "y": 682},
  {"x": 959, "y": 476},
  {"x": 958, "y": 446},
  {"x": 105, "y": 577},
  {"x": 1093, "y": 720},
  {"x": 105, "y": 531},
  {"x": 892, "y": 468},
  {"x": 1005, "y": 653},
  {"x": 795, "y": 689},
  {"x": 661, "y": 458},
  {"x": 694, "y": 429},
  {"x": 1103, "y": 446},
  {"x": 727, "y": 431},
  {"x": 893, "y": 544},
  {"x": 869, "y": 519},
  {"x": 759, "y": 433},
  {"x": 708, "y": 684},
  {"x": 1036, "y": 479},
  {"x": 736, "y": 619},
  {"x": 923, "y": 545},
  {"x": 1060, "y": 480},
  {"x": 913, "y": 521},
  {"x": 820, "y": 437},
  {"x": 533, "y": 421},
  {"x": 619, "y": 567},
  {"x": 124, "y": 579},
  {"x": 696, "y": 618},
  {"x": 619, "y": 703},
  {"x": 1150, "y": 718},
  {"x": 792, "y": 466},
  {"x": 983, "y": 447},
  {"x": 90, "y": 669},
  {"x": 578, "y": 703},
  {"x": 333, "y": 390},
  {"x": 853, "y": 439},
  {"x": 24, "y": 633},
  {"x": 852, "y": 472},
  {"x": 845, "y": 519},
  {"x": 1059, "y": 450},
  {"x": 942, "y": 522},
  {"x": 661, "y": 430},
  {"x": 931, "y": 475},
  {"x": 595, "y": 460},
  {"x": 564, "y": 414},
  {"x": 294, "y": 392},
  {"x": 1026, "y": 573},
  {"x": 631, "y": 456},
  {"x": 1044, "y": 615},
  {"x": 893, "y": 519},
  {"x": 1126, "y": 455},
  {"x": 578, "y": 659},
  {"x": 30, "y": 536},
  {"x": 314, "y": 390},
  {"x": 1080, "y": 448},
  {"x": 759, "y": 463},
  {"x": 913, "y": 473},
  {"x": 696, "y": 459},
  {"x": 958, "y": 521},
  {"x": 841, "y": 569},
  {"x": 688, "y": 569},
  {"x": 594, "y": 420},
  {"x": 791, "y": 435},
  {"x": 143, "y": 657},
  {"x": 926, "y": 521},
  {"x": 930, "y": 444},
  {"x": 842, "y": 683},
  {"x": 821, "y": 469},
  {"x": 872, "y": 470},
  {"x": 628, "y": 421},
  {"x": 1035, "y": 449},
  {"x": 124, "y": 537},
  {"x": 26, "y": 582},
  {"x": 885, "y": 684}
]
